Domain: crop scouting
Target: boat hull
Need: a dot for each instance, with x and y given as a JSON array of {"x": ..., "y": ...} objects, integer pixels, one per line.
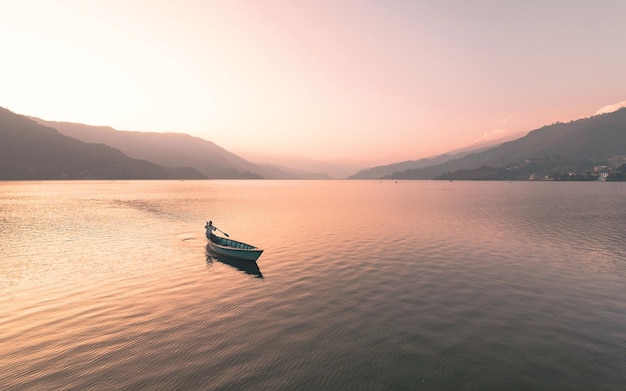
[{"x": 233, "y": 249}]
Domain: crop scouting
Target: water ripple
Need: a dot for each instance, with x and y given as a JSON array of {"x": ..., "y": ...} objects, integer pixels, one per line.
[{"x": 366, "y": 285}]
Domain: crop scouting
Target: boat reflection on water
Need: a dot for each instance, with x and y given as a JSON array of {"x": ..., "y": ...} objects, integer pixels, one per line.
[{"x": 248, "y": 267}]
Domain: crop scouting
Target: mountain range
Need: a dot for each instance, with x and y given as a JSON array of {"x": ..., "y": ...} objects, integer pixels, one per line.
[
  {"x": 576, "y": 146},
  {"x": 32, "y": 151},
  {"x": 388, "y": 169},
  {"x": 32, "y": 148},
  {"x": 178, "y": 149}
]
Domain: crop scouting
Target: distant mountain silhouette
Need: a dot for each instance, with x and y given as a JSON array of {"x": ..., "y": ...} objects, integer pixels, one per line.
[
  {"x": 30, "y": 151},
  {"x": 388, "y": 169},
  {"x": 578, "y": 145},
  {"x": 277, "y": 171},
  {"x": 381, "y": 171},
  {"x": 305, "y": 167},
  {"x": 173, "y": 149}
]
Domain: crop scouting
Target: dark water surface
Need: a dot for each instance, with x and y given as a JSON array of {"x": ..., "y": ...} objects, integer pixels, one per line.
[{"x": 363, "y": 285}]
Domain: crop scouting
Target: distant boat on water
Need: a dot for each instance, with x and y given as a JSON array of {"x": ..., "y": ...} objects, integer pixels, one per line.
[{"x": 229, "y": 247}]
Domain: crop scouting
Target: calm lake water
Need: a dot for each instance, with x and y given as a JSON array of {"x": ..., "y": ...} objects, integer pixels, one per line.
[{"x": 363, "y": 285}]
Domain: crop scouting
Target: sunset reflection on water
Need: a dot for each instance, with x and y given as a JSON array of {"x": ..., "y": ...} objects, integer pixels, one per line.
[{"x": 362, "y": 284}]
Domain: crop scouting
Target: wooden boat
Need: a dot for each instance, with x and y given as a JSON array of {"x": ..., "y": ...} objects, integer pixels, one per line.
[
  {"x": 232, "y": 248},
  {"x": 243, "y": 265}
]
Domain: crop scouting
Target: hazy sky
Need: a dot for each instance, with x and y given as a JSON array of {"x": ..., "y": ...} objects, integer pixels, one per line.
[{"x": 381, "y": 80}]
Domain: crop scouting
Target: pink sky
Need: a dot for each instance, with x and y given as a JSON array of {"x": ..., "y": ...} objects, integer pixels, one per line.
[{"x": 376, "y": 81}]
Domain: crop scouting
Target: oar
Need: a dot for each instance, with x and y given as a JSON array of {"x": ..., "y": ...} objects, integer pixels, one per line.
[{"x": 227, "y": 235}]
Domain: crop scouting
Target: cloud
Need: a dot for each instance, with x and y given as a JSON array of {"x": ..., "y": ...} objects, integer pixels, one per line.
[
  {"x": 494, "y": 133},
  {"x": 611, "y": 108}
]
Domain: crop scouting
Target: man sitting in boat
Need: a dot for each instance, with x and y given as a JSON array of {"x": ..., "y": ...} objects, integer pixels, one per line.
[{"x": 210, "y": 228}]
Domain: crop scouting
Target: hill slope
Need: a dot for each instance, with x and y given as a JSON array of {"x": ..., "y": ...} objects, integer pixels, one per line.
[
  {"x": 580, "y": 144},
  {"x": 381, "y": 171},
  {"x": 173, "y": 149},
  {"x": 31, "y": 151}
]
